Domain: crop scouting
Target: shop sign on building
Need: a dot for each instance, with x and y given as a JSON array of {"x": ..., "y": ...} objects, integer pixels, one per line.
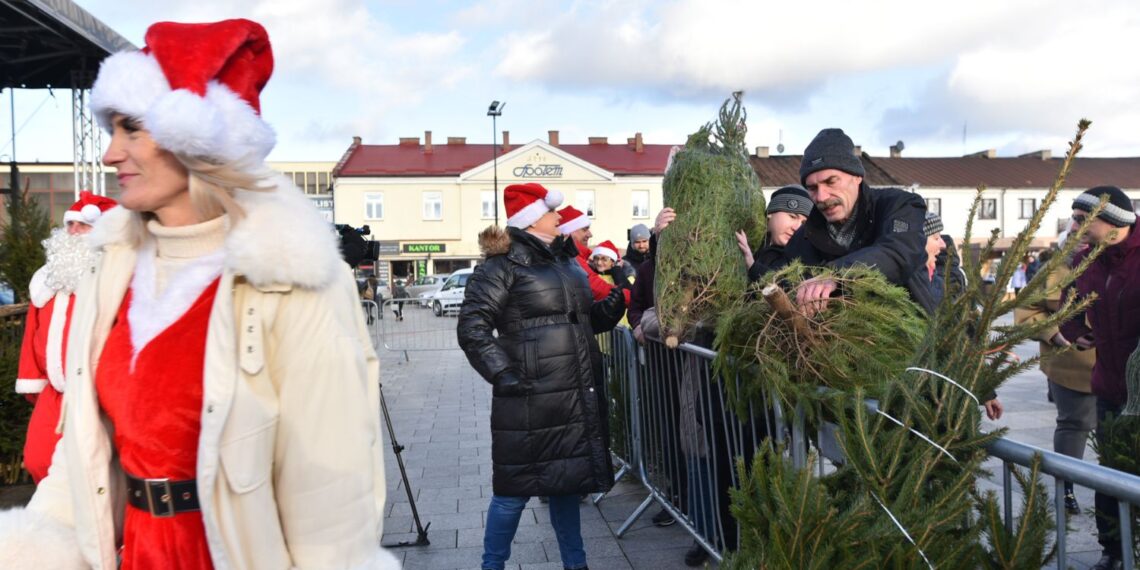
[
  {"x": 425, "y": 248},
  {"x": 388, "y": 247}
]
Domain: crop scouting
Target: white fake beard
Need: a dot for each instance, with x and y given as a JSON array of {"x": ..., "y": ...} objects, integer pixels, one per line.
[{"x": 68, "y": 259}]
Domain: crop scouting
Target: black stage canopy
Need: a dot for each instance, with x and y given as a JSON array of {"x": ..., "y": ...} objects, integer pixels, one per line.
[{"x": 52, "y": 43}]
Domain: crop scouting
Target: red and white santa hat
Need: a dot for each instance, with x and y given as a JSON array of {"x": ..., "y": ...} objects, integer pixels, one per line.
[
  {"x": 572, "y": 220},
  {"x": 526, "y": 203},
  {"x": 195, "y": 87},
  {"x": 606, "y": 249},
  {"x": 88, "y": 208}
]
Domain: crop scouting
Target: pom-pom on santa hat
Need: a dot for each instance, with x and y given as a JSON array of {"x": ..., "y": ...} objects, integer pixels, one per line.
[
  {"x": 195, "y": 87},
  {"x": 606, "y": 249},
  {"x": 88, "y": 208},
  {"x": 526, "y": 203},
  {"x": 572, "y": 220}
]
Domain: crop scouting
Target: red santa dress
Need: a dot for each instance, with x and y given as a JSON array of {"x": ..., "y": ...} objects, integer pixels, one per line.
[
  {"x": 154, "y": 400},
  {"x": 40, "y": 371}
]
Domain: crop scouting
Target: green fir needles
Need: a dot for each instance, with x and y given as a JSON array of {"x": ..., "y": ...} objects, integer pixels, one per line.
[{"x": 715, "y": 192}]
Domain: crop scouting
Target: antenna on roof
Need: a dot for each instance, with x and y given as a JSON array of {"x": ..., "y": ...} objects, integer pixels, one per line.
[{"x": 780, "y": 147}]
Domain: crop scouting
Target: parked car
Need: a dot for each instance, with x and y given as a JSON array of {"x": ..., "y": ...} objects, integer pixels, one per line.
[
  {"x": 450, "y": 296},
  {"x": 425, "y": 285}
]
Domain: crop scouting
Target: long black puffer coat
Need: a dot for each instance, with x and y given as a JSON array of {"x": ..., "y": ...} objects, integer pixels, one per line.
[{"x": 551, "y": 439}]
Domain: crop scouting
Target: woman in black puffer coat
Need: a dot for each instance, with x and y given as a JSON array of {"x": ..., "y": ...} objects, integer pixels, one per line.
[{"x": 548, "y": 423}]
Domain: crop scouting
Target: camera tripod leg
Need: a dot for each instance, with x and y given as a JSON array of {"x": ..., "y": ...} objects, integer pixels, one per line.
[{"x": 421, "y": 530}]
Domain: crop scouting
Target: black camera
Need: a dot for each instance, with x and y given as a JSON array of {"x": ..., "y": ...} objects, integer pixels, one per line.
[{"x": 353, "y": 247}]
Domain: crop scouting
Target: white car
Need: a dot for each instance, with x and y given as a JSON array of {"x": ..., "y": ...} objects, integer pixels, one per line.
[{"x": 450, "y": 296}]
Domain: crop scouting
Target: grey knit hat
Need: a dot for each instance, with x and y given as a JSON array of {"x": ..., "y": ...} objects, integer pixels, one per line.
[
  {"x": 831, "y": 148},
  {"x": 1118, "y": 211},
  {"x": 932, "y": 225},
  {"x": 792, "y": 198},
  {"x": 638, "y": 232}
]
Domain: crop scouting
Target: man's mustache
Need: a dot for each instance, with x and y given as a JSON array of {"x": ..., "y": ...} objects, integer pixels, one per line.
[{"x": 828, "y": 203}]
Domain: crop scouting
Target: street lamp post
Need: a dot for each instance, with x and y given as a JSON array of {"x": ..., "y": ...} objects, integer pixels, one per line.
[{"x": 494, "y": 111}]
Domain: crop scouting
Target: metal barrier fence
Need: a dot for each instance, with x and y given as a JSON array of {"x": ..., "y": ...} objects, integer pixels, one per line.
[
  {"x": 404, "y": 325},
  {"x": 674, "y": 429}
]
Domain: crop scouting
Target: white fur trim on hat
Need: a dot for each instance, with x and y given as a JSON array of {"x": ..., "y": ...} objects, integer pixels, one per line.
[
  {"x": 604, "y": 252},
  {"x": 576, "y": 224},
  {"x": 220, "y": 125},
  {"x": 530, "y": 214}
]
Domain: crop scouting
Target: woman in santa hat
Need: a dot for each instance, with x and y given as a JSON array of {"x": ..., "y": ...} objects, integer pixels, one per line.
[
  {"x": 52, "y": 289},
  {"x": 222, "y": 401},
  {"x": 547, "y": 428}
]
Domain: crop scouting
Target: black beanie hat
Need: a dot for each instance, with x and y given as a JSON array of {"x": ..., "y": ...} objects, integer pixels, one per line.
[
  {"x": 1118, "y": 211},
  {"x": 932, "y": 225},
  {"x": 831, "y": 148},
  {"x": 792, "y": 198}
]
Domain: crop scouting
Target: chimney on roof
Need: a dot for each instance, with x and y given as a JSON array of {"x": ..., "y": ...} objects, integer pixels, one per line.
[
  {"x": 857, "y": 151},
  {"x": 553, "y": 137},
  {"x": 988, "y": 153},
  {"x": 1042, "y": 154},
  {"x": 761, "y": 152},
  {"x": 896, "y": 152},
  {"x": 638, "y": 144},
  {"x": 409, "y": 141},
  {"x": 456, "y": 140},
  {"x": 427, "y": 142},
  {"x": 506, "y": 141},
  {"x": 356, "y": 141},
  {"x": 598, "y": 140}
]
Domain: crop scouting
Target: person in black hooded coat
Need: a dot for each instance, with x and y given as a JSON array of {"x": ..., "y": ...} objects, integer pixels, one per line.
[{"x": 549, "y": 428}]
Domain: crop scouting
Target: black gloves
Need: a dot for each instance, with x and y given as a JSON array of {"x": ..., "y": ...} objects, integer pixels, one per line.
[
  {"x": 507, "y": 383},
  {"x": 621, "y": 280}
]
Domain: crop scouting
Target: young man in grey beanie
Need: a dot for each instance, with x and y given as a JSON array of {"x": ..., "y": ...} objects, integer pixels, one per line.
[
  {"x": 638, "y": 250},
  {"x": 853, "y": 224},
  {"x": 1113, "y": 323}
]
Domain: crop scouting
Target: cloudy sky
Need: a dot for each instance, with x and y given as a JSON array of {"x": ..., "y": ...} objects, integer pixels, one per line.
[{"x": 946, "y": 78}]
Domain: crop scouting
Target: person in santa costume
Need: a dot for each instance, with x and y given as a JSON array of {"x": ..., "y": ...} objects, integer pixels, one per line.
[
  {"x": 548, "y": 427},
  {"x": 577, "y": 225},
  {"x": 222, "y": 404},
  {"x": 604, "y": 260},
  {"x": 40, "y": 372}
]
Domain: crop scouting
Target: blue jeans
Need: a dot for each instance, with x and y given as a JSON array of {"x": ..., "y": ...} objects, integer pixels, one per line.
[{"x": 503, "y": 520}]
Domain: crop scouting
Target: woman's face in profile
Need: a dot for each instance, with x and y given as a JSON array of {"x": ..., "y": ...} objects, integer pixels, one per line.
[{"x": 151, "y": 179}]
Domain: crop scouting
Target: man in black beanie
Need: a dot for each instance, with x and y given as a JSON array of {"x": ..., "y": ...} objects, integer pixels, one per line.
[
  {"x": 1113, "y": 323},
  {"x": 853, "y": 224}
]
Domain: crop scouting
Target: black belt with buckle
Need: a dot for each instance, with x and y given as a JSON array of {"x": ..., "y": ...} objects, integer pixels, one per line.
[{"x": 162, "y": 497}]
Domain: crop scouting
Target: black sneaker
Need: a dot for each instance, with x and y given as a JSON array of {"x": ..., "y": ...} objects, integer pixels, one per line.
[
  {"x": 696, "y": 555},
  {"x": 663, "y": 518},
  {"x": 1071, "y": 505},
  {"x": 1107, "y": 562}
]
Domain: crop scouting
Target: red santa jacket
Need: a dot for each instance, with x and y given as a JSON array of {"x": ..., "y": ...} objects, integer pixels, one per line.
[{"x": 45, "y": 336}]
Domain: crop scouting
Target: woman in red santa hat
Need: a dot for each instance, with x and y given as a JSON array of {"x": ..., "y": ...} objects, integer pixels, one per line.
[
  {"x": 548, "y": 428},
  {"x": 40, "y": 373},
  {"x": 222, "y": 400}
]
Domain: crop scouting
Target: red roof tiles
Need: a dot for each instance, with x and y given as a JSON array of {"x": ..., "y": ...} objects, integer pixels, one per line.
[{"x": 454, "y": 159}]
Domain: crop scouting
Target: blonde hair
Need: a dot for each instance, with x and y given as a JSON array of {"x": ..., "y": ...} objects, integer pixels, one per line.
[{"x": 212, "y": 187}]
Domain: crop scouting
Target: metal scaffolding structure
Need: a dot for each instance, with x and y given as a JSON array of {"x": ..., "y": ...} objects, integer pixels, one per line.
[{"x": 87, "y": 139}]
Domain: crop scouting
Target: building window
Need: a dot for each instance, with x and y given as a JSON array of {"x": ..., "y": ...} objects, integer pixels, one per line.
[
  {"x": 373, "y": 206},
  {"x": 640, "y": 203},
  {"x": 433, "y": 205},
  {"x": 487, "y": 198},
  {"x": 934, "y": 206},
  {"x": 1028, "y": 207},
  {"x": 584, "y": 201},
  {"x": 987, "y": 210}
]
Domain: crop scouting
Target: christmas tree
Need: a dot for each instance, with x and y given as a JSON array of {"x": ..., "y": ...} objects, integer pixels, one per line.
[{"x": 715, "y": 193}]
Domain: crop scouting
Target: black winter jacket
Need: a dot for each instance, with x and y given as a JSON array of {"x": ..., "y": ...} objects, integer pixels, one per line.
[
  {"x": 551, "y": 438},
  {"x": 888, "y": 237}
]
